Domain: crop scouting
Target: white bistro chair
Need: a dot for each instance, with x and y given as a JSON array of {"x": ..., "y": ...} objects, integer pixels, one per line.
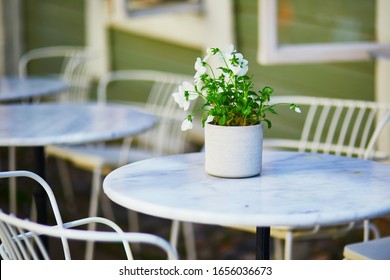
[
  {"x": 21, "y": 239},
  {"x": 67, "y": 62},
  {"x": 377, "y": 249},
  {"x": 331, "y": 126},
  {"x": 165, "y": 138},
  {"x": 70, "y": 63}
]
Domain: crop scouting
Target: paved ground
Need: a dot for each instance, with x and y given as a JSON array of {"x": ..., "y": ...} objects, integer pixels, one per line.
[{"x": 212, "y": 242}]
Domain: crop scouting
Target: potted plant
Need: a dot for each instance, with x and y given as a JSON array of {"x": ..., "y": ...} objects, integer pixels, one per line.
[{"x": 233, "y": 113}]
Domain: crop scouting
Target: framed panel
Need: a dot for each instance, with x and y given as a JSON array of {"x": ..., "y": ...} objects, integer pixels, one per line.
[
  {"x": 147, "y": 7},
  {"x": 272, "y": 52}
]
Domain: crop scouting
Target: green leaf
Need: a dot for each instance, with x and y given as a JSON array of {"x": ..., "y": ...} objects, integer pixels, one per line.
[
  {"x": 222, "y": 121},
  {"x": 272, "y": 110},
  {"x": 269, "y": 125},
  {"x": 246, "y": 111}
]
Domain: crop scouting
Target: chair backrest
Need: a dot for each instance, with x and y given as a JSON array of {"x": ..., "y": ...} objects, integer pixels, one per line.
[
  {"x": 73, "y": 68},
  {"x": 333, "y": 126},
  {"x": 370, "y": 151},
  {"x": 50, "y": 195},
  {"x": 21, "y": 239},
  {"x": 166, "y": 137}
]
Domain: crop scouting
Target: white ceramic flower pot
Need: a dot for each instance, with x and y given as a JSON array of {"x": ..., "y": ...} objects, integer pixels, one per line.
[{"x": 233, "y": 151}]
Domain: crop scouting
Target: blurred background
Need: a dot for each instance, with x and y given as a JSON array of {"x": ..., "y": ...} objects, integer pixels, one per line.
[
  {"x": 334, "y": 48},
  {"x": 169, "y": 35}
]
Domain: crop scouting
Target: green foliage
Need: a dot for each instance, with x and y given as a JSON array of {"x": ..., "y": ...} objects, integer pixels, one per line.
[{"x": 227, "y": 92}]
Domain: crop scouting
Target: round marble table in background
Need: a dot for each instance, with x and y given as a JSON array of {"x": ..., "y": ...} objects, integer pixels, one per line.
[
  {"x": 44, "y": 124},
  {"x": 294, "y": 189},
  {"x": 15, "y": 89},
  {"x": 38, "y": 125}
]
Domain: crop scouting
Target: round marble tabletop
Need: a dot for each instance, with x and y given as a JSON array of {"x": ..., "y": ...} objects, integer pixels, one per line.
[
  {"x": 294, "y": 189},
  {"x": 66, "y": 123},
  {"x": 14, "y": 88}
]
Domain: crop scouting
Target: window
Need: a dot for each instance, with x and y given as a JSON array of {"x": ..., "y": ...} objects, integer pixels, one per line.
[
  {"x": 276, "y": 48},
  {"x": 177, "y": 21}
]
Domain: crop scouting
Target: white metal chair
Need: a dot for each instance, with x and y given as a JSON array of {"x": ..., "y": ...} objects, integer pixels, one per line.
[
  {"x": 371, "y": 147},
  {"x": 332, "y": 126},
  {"x": 67, "y": 62},
  {"x": 378, "y": 249},
  {"x": 165, "y": 138},
  {"x": 21, "y": 238}
]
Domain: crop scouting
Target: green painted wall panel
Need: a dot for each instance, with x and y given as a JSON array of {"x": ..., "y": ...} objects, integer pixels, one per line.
[
  {"x": 131, "y": 51},
  {"x": 58, "y": 22},
  {"x": 354, "y": 80},
  {"x": 53, "y": 22}
]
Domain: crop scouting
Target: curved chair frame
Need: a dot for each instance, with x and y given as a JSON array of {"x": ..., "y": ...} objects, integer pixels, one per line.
[
  {"x": 20, "y": 238},
  {"x": 165, "y": 138},
  {"x": 74, "y": 69}
]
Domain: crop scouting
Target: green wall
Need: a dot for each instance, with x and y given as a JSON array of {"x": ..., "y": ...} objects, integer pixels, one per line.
[
  {"x": 58, "y": 22},
  {"x": 132, "y": 51},
  {"x": 53, "y": 22},
  {"x": 353, "y": 80}
]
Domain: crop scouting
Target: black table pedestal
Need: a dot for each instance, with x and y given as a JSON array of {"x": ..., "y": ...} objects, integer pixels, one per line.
[{"x": 262, "y": 243}]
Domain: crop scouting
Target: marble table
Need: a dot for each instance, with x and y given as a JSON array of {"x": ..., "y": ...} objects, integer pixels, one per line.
[
  {"x": 15, "y": 89},
  {"x": 38, "y": 125},
  {"x": 294, "y": 189}
]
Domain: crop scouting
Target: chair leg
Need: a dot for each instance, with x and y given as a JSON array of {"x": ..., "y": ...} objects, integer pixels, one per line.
[
  {"x": 33, "y": 211},
  {"x": 288, "y": 246},
  {"x": 133, "y": 223},
  {"x": 12, "y": 181},
  {"x": 189, "y": 240},
  {"x": 93, "y": 208},
  {"x": 278, "y": 249},
  {"x": 369, "y": 227},
  {"x": 107, "y": 210},
  {"x": 66, "y": 182},
  {"x": 174, "y": 236}
]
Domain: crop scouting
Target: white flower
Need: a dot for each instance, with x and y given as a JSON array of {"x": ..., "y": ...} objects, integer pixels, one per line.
[
  {"x": 206, "y": 58},
  {"x": 237, "y": 64},
  {"x": 221, "y": 81},
  {"x": 209, "y": 119},
  {"x": 186, "y": 124},
  {"x": 185, "y": 94},
  {"x": 199, "y": 84},
  {"x": 200, "y": 69},
  {"x": 229, "y": 50},
  {"x": 295, "y": 108},
  {"x": 244, "y": 68}
]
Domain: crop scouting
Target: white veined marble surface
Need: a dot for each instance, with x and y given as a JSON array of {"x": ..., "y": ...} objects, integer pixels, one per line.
[
  {"x": 294, "y": 189},
  {"x": 66, "y": 123},
  {"x": 14, "y": 88}
]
